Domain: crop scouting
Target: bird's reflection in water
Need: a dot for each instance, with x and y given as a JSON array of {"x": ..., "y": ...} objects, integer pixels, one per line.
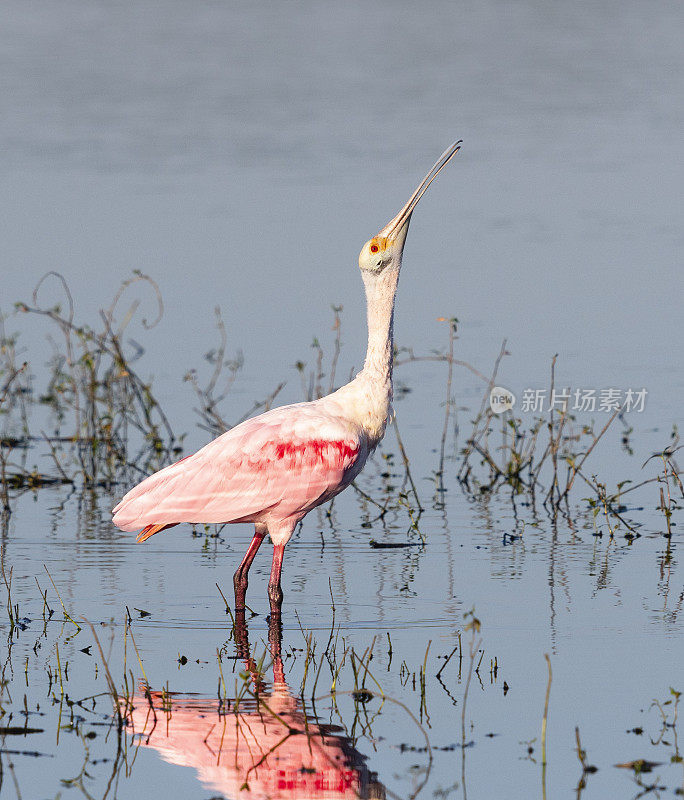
[{"x": 270, "y": 747}]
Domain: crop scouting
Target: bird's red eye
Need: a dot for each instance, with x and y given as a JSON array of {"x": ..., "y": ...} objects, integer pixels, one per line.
[{"x": 374, "y": 248}]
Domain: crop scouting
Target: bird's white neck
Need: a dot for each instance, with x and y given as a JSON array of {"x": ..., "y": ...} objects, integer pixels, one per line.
[
  {"x": 380, "y": 293},
  {"x": 367, "y": 399}
]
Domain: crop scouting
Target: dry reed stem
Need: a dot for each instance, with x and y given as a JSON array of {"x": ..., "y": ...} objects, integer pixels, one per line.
[{"x": 546, "y": 710}]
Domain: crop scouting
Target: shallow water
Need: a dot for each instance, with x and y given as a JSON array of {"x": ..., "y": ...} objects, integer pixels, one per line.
[
  {"x": 608, "y": 614},
  {"x": 241, "y": 156}
]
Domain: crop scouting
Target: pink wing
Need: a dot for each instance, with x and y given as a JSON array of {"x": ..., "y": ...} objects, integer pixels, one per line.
[{"x": 281, "y": 464}]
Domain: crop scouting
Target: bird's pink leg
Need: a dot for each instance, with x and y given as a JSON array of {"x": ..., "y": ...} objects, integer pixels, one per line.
[
  {"x": 275, "y": 593},
  {"x": 240, "y": 578}
]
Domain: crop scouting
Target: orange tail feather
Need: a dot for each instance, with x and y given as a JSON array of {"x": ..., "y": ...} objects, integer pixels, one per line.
[{"x": 150, "y": 530}]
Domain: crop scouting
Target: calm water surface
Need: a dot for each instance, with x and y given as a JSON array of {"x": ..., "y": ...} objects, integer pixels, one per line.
[{"x": 241, "y": 155}]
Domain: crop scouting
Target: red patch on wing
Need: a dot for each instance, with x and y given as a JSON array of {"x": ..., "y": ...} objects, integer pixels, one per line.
[{"x": 317, "y": 451}]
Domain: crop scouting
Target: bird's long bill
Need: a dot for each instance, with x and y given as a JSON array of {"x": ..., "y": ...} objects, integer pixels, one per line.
[{"x": 398, "y": 226}]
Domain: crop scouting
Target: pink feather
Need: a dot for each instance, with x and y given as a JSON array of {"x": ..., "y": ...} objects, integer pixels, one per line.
[{"x": 272, "y": 469}]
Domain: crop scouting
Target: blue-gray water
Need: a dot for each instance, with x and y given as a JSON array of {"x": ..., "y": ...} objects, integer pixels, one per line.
[{"x": 241, "y": 154}]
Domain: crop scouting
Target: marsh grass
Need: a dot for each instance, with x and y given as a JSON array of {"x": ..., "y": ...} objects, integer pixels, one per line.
[
  {"x": 104, "y": 417},
  {"x": 107, "y": 426},
  {"x": 543, "y": 460}
]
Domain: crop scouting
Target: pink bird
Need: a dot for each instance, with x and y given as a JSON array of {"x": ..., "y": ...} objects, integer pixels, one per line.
[{"x": 273, "y": 469}]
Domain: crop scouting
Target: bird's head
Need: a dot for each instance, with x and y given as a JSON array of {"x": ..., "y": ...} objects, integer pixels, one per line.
[{"x": 384, "y": 250}]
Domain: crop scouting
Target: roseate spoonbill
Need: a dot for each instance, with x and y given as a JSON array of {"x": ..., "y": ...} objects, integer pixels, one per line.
[{"x": 273, "y": 469}]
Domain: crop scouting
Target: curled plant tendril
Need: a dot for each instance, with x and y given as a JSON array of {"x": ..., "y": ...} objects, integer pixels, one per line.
[
  {"x": 65, "y": 286},
  {"x": 138, "y": 277}
]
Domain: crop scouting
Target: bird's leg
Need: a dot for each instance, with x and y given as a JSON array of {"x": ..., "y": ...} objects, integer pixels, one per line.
[
  {"x": 240, "y": 578},
  {"x": 275, "y": 593}
]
